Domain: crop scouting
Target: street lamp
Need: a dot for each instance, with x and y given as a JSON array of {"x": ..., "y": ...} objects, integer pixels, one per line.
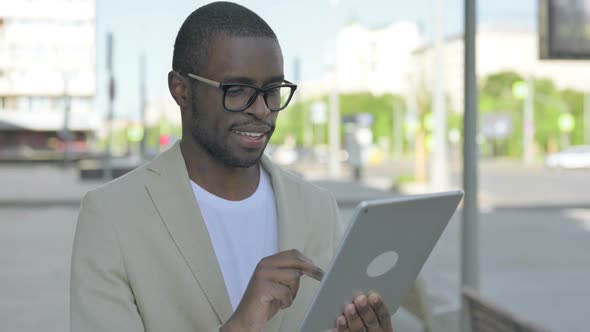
[
  {"x": 440, "y": 178},
  {"x": 66, "y": 134},
  {"x": 526, "y": 90},
  {"x": 107, "y": 166},
  {"x": 334, "y": 117}
]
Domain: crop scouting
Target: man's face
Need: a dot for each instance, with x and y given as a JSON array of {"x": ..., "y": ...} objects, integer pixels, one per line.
[{"x": 236, "y": 139}]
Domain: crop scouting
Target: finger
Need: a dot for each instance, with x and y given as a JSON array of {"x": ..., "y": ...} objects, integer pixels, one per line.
[
  {"x": 299, "y": 254},
  {"x": 352, "y": 318},
  {"x": 367, "y": 314},
  {"x": 341, "y": 325},
  {"x": 382, "y": 311},
  {"x": 286, "y": 277},
  {"x": 307, "y": 267},
  {"x": 293, "y": 259}
]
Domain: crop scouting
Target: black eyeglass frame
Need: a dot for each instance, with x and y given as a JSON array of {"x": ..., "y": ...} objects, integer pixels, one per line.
[{"x": 226, "y": 86}]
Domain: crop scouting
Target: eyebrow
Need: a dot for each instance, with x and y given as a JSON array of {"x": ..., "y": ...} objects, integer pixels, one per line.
[{"x": 248, "y": 80}]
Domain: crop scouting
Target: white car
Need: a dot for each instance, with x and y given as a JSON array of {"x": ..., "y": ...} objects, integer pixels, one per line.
[{"x": 573, "y": 157}]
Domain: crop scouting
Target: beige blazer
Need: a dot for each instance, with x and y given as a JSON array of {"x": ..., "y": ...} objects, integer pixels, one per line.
[{"x": 143, "y": 259}]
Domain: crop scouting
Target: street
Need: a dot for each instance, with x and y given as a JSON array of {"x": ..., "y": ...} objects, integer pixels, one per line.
[
  {"x": 534, "y": 259},
  {"x": 501, "y": 183}
]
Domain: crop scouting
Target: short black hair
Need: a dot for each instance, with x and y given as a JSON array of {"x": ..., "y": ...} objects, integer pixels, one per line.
[{"x": 205, "y": 23}]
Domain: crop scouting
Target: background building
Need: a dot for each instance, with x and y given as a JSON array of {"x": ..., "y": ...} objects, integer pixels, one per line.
[
  {"x": 498, "y": 49},
  {"x": 369, "y": 59},
  {"x": 47, "y": 74}
]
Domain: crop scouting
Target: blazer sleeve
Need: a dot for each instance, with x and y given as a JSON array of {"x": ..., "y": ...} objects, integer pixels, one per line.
[{"x": 101, "y": 298}]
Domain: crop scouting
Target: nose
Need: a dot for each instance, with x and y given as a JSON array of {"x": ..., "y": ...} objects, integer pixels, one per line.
[{"x": 258, "y": 109}]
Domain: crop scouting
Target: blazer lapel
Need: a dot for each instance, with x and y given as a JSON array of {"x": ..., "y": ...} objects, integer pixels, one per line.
[
  {"x": 289, "y": 208},
  {"x": 291, "y": 221},
  {"x": 169, "y": 187}
]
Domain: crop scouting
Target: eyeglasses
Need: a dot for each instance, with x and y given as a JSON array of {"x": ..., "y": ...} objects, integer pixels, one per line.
[{"x": 237, "y": 97}]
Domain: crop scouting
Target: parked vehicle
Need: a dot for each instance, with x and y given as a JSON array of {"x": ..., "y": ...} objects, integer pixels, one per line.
[{"x": 573, "y": 157}]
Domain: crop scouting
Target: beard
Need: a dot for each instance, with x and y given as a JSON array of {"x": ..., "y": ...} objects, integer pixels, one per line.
[{"x": 205, "y": 137}]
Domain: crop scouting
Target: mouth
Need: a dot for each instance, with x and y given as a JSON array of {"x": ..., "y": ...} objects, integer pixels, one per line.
[
  {"x": 250, "y": 134},
  {"x": 251, "y": 138}
]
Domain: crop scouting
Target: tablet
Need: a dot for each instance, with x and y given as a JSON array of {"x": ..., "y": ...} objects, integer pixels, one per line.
[{"x": 383, "y": 250}]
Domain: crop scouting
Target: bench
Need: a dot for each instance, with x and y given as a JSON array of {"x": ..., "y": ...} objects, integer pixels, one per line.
[{"x": 487, "y": 317}]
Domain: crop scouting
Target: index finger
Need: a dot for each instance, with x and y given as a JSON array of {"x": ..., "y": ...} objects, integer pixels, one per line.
[{"x": 297, "y": 261}]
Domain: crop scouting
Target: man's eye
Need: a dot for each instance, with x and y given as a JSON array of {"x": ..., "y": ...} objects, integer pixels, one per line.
[
  {"x": 274, "y": 92},
  {"x": 235, "y": 90}
]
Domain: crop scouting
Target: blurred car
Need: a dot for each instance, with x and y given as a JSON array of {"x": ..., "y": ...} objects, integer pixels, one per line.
[{"x": 573, "y": 157}]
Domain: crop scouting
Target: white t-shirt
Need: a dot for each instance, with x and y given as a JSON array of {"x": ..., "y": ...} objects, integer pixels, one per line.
[{"x": 242, "y": 232}]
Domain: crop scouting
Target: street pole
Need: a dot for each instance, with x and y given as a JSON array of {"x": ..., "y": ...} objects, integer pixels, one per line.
[
  {"x": 587, "y": 118},
  {"x": 108, "y": 170},
  {"x": 334, "y": 117},
  {"x": 142, "y": 104},
  {"x": 66, "y": 135},
  {"x": 529, "y": 122},
  {"x": 439, "y": 164},
  {"x": 469, "y": 234},
  {"x": 297, "y": 101},
  {"x": 398, "y": 136},
  {"x": 334, "y": 138}
]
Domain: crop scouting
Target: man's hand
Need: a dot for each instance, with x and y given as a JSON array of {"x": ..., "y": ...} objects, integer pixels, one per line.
[
  {"x": 273, "y": 287},
  {"x": 366, "y": 313}
]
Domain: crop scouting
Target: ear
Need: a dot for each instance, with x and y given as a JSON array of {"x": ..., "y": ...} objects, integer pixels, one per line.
[{"x": 179, "y": 89}]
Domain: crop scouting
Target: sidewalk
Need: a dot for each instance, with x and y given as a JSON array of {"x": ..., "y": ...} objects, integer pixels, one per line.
[
  {"x": 42, "y": 185},
  {"x": 502, "y": 184}
]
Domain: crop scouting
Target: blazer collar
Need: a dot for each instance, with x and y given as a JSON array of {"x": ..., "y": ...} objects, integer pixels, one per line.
[{"x": 169, "y": 187}]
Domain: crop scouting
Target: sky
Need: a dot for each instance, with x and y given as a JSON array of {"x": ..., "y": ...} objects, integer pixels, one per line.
[{"x": 306, "y": 30}]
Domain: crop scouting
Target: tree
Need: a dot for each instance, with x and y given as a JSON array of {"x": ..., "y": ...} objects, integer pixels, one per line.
[
  {"x": 496, "y": 96},
  {"x": 381, "y": 107},
  {"x": 575, "y": 101}
]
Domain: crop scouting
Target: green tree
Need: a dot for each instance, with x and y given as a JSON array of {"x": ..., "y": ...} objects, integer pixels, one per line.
[
  {"x": 291, "y": 121},
  {"x": 575, "y": 101},
  {"x": 549, "y": 105},
  {"x": 496, "y": 96}
]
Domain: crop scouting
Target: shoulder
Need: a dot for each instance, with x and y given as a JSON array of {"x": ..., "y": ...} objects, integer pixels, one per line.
[
  {"x": 131, "y": 187},
  {"x": 122, "y": 203},
  {"x": 307, "y": 200},
  {"x": 308, "y": 190},
  {"x": 125, "y": 187}
]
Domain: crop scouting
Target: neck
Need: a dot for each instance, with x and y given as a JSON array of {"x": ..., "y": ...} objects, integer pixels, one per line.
[{"x": 231, "y": 183}]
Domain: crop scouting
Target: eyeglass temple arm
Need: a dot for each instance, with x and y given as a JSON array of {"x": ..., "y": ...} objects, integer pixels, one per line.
[{"x": 204, "y": 80}]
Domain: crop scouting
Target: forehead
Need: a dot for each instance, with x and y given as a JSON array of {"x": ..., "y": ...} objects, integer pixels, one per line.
[{"x": 257, "y": 58}]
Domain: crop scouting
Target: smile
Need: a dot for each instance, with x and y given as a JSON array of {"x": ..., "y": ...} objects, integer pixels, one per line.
[{"x": 248, "y": 133}]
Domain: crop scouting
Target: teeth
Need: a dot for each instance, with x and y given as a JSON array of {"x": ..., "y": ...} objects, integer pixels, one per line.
[{"x": 249, "y": 134}]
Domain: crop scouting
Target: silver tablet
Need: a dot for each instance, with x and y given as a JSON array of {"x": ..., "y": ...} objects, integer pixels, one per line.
[{"x": 383, "y": 250}]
